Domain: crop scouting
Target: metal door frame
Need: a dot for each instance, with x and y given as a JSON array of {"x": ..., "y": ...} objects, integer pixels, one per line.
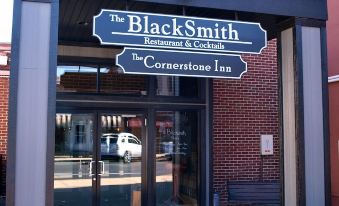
[{"x": 142, "y": 114}]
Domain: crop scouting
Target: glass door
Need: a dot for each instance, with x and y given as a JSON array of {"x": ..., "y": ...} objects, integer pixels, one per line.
[
  {"x": 177, "y": 158},
  {"x": 98, "y": 159},
  {"x": 74, "y": 160},
  {"x": 122, "y": 137}
]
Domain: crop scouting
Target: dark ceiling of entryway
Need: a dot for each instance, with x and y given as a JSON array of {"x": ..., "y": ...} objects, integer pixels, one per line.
[{"x": 75, "y": 17}]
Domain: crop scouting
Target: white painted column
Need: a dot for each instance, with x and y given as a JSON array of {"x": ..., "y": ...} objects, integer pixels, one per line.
[
  {"x": 31, "y": 103},
  {"x": 289, "y": 116},
  {"x": 304, "y": 126},
  {"x": 313, "y": 116}
]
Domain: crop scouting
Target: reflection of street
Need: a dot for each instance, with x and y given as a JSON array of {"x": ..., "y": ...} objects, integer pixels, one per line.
[
  {"x": 105, "y": 181},
  {"x": 76, "y": 175}
]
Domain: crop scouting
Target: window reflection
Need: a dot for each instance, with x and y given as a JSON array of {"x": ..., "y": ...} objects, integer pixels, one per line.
[
  {"x": 76, "y": 79},
  {"x": 121, "y": 151},
  {"x": 177, "y": 86},
  {"x": 114, "y": 81},
  {"x": 73, "y": 159},
  {"x": 176, "y": 155}
]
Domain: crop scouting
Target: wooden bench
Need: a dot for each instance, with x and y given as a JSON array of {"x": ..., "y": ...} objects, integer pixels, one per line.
[{"x": 254, "y": 193}]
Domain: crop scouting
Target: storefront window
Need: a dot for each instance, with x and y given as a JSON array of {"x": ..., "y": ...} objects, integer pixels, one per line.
[
  {"x": 121, "y": 152},
  {"x": 80, "y": 175},
  {"x": 73, "y": 160},
  {"x": 177, "y": 86},
  {"x": 176, "y": 158},
  {"x": 76, "y": 79},
  {"x": 114, "y": 81}
]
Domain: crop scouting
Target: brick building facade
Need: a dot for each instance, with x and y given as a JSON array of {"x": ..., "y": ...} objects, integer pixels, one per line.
[
  {"x": 4, "y": 91},
  {"x": 242, "y": 111},
  {"x": 195, "y": 136}
]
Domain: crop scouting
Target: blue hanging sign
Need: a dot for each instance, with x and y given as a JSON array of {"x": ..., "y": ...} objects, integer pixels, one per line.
[
  {"x": 181, "y": 63},
  {"x": 125, "y": 28}
]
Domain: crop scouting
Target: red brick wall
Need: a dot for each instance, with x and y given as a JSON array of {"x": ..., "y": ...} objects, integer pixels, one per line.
[
  {"x": 243, "y": 110},
  {"x": 4, "y": 88},
  {"x": 4, "y": 84}
]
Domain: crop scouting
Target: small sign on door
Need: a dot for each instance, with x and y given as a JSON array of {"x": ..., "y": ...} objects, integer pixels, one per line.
[{"x": 266, "y": 144}]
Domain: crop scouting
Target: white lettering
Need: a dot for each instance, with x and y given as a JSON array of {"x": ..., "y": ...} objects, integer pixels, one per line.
[
  {"x": 218, "y": 68},
  {"x": 216, "y": 65},
  {"x": 146, "y": 24},
  {"x": 163, "y": 29},
  {"x": 134, "y": 21},
  {"x": 155, "y": 28},
  {"x": 223, "y": 33},
  {"x": 190, "y": 26},
  {"x": 139, "y": 24},
  {"x": 216, "y": 31},
  {"x": 231, "y": 32},
  {"x": 151, "y": 62},
  {"x": 176, "y": 28},
  {"x": 145, "y": 61},
  {"x": 204, "y": 32}
]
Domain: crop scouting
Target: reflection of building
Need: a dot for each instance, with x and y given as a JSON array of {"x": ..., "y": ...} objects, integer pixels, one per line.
[
  {"x": 76, "y": 134},
  {"x": 112, "y": 81}
]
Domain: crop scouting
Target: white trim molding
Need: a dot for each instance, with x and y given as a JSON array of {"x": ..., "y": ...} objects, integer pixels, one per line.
[
  {"x": 334, "y": 78},
  {"x": 4, "y": 73}
]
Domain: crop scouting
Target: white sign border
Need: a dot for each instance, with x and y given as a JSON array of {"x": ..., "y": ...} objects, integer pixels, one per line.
[
  {"x": 185, "y": 52},
  {"x": 186, "y": 17}
]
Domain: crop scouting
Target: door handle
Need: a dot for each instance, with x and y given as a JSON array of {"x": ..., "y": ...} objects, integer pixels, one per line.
[
  {"x": 102, "y": 165},
  {"x": 91, "y": 168}
]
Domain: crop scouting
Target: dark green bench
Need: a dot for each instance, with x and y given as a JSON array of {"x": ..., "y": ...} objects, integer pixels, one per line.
[{"x": 254, "y": 193}]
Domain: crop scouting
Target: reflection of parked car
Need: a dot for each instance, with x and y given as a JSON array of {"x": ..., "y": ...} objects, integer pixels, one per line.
[
  {"x": 122, "y": 145},
  {"x": 167, "y": 147}
]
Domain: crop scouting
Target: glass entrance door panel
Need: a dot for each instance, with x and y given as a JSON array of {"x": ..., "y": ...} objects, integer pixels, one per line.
[
  {"x": 74, "y": 161},
  {"x": 176, "y": 146},
  {"x": 121, "y": 140}
]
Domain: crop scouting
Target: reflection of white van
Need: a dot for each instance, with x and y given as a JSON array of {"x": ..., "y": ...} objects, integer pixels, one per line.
[
  {"x": 124, "y": 145},
  {"x": 167, "y": 147}
]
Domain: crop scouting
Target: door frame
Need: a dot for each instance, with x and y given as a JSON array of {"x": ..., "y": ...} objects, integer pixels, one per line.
[
  {"x": 149, "y": 109},
  {"x": 96, "y": 178},
  {"x": 144, "y": 161}
]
